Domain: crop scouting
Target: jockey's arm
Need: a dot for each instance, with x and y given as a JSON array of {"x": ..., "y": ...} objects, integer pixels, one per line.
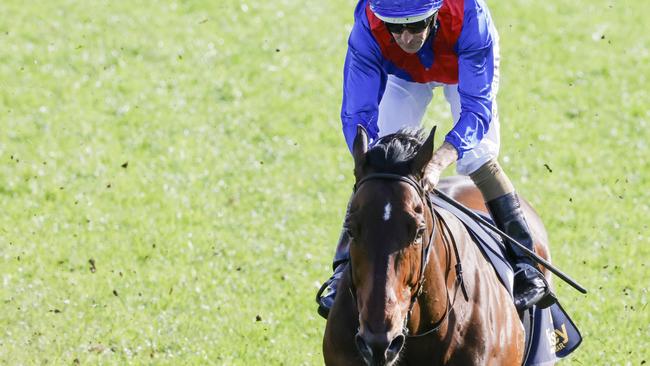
[
  {"x": 475, "y": 76},
  {"x": 364, "y": 82},
  {"x": 443, "y": 157}
]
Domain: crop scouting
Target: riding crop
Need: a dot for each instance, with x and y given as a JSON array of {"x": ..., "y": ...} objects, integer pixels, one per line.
[{"x": 529, "y": 252}]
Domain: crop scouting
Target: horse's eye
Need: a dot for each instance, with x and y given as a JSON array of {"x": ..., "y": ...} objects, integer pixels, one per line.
[{"x": 419, "y": 235}]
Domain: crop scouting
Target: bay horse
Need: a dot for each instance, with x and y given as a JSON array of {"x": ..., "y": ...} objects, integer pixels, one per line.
[{"x": 404, "y": 298}]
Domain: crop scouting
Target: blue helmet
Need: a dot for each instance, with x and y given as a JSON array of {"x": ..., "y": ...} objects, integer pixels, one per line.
[{"x": 404, "y": 11}]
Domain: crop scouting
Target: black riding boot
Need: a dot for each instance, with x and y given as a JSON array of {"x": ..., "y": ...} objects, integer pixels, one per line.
[
  {"x": 530, "y": 286},
  {"x": 327, "y": 292}
]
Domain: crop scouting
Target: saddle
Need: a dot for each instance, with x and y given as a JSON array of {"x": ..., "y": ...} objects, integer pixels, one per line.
[{"x": 550, "y": 333}]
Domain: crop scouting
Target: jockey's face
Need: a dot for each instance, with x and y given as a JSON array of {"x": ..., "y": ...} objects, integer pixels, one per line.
[{"x": 411, "y": 39}]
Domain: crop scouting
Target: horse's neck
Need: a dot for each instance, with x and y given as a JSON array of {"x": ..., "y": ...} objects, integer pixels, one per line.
[
  {"x": 442, "y": 292},
  {"x": 447, "y": 323}
]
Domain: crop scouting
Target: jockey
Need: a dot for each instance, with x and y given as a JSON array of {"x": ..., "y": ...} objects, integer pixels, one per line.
[{"x": 398, "y": 52}]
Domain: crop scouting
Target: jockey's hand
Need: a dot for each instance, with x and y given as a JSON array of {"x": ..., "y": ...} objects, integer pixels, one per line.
[
  {"x": 443, "y": 157},
  {"x": 431, "y": 178}
]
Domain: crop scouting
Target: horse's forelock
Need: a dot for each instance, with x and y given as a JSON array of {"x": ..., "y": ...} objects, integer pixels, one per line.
[{"x": 394, "y": 150}]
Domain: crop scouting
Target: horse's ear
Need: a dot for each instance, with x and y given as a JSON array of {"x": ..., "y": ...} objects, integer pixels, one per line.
[
  {"x": 424, "y": 155},
  {"x": 359, "y": 149}
]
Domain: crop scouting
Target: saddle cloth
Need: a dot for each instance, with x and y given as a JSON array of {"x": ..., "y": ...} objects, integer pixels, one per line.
[{"x": 550, "y": 333}]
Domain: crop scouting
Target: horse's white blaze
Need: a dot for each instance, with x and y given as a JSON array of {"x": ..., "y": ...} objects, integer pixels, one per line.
[{"x": 387, "y": 209}]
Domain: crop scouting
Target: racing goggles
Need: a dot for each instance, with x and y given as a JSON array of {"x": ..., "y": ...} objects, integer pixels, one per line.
[{"x": 413, "y": 28}]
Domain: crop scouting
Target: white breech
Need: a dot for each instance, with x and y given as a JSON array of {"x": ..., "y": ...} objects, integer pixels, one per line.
[{"x": 404, "y": 104}]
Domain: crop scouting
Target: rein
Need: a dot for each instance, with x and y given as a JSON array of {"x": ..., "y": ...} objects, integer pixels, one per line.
[
  {"x": 424, "y": 258},
  {"x": 459, "y": 284}
]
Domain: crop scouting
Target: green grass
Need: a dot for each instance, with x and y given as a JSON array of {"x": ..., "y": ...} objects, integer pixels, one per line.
[{"x": 209, "y": 244}]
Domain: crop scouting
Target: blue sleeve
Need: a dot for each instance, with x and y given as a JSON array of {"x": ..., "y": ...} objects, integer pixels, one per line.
[
  {"x": 364, "y": 81},
  {"x": 475, "y": 75}
]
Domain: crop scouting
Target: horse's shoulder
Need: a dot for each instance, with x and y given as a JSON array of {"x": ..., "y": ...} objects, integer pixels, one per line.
[
  {"x": 452, "y": 228},
  {"x": 449, "y": 220}
]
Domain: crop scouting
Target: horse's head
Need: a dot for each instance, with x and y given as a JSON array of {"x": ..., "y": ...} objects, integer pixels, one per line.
[{"x": 390, "y": 224}]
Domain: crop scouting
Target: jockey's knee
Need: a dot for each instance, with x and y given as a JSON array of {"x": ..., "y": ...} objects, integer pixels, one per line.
[{"x": 492, "y": 181}]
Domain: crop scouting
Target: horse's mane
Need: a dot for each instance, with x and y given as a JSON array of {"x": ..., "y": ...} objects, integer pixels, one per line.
[{"x": 393, "y": 152}]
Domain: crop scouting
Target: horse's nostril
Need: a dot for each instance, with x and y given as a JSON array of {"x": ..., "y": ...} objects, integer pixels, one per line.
[
  {"x": 397, "y": 343},
  {"x": 395, "y": 347},
  {"x": 363, "y": 347},
  {"x": 377, "y": 349}
]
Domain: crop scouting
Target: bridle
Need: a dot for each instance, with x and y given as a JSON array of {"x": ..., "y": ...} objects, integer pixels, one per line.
[{"x": 424, "y": 258}]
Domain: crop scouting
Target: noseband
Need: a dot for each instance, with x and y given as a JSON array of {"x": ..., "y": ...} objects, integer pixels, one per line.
[{"x": 424, "y": 258}]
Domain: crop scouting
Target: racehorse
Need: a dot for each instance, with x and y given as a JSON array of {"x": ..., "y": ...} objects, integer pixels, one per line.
[{"x": 417, "y": 290}]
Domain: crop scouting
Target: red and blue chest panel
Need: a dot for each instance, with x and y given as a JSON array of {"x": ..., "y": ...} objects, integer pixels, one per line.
[{"x": 441, "y": 48}]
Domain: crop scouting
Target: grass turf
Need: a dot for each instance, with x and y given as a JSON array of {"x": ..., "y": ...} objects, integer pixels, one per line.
[{"x": 173, "y": 175}]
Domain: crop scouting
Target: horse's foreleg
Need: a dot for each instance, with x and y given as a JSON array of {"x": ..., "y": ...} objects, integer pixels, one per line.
[{"x": 339, "y": 347}]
